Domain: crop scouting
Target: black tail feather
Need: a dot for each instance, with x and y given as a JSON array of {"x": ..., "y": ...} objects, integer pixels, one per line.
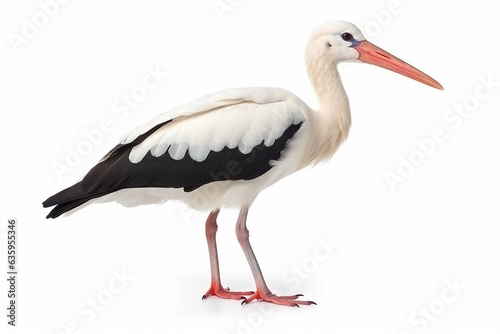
[
  {"x": 68, "y": 199},
  {"x": 65, "y": 207},
  {"x": 97, "y": 181}
]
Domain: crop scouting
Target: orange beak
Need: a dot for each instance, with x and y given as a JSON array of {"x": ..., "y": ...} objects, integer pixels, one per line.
[{"x": 372, "y": 54}]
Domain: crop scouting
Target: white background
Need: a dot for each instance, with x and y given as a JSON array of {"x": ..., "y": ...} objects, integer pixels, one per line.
[{"x": 395, "y": 249}]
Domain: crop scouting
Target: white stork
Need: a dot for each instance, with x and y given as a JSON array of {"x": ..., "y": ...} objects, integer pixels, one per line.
[{"x": 223, "y": 149}]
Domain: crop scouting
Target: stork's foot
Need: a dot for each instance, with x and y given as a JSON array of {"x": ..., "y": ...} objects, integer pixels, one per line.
[
  {"x": 280, "y": 300},
  {"x": 225, "y": 293}
]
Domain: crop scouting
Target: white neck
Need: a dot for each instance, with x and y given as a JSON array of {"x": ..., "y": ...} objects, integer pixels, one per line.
[{"x": 330, "y": 124}]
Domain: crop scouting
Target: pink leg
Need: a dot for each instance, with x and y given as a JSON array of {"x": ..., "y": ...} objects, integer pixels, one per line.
[
  {"x": 216, "y": 288},
  {"x": 263, "y": 292}
]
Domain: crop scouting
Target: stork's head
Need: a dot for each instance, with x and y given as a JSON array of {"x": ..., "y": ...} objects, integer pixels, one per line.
[{"x": 339, "y": 41}]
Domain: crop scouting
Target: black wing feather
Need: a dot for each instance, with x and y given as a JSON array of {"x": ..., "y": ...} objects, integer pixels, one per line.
[{"x": 116, "y": 171}]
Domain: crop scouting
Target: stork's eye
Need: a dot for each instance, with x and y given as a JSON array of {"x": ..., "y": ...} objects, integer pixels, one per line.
[{"x": 346, "y": 36}]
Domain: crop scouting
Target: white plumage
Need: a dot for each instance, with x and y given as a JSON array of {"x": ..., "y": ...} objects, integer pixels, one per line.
[{"x": 242, "y": 123}]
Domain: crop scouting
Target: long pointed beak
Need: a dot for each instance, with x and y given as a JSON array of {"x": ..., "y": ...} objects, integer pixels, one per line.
[{"x": 372, "y": 54}]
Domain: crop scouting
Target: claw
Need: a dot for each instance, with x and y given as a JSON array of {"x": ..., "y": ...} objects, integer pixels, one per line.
[{"x": 280, "y": 300}]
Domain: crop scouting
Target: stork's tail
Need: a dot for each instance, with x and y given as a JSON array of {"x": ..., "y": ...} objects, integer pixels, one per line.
[{"x": 69, "y": 199}]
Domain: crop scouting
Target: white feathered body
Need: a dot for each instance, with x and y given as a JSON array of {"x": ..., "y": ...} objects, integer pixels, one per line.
[{"x": 242, "y": 118}]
